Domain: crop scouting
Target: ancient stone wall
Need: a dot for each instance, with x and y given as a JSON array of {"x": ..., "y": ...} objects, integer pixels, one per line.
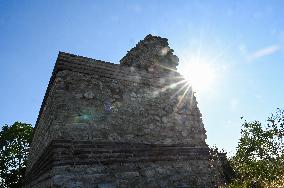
[
  {"x": 90, "y": 107},
  {"x": 127, "y": 125}
]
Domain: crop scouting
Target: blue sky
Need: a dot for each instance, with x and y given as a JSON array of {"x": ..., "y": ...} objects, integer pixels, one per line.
[{"x": 242, "y": 42}]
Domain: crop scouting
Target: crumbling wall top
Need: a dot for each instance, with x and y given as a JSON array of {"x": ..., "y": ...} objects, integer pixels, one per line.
[{"x": 152, "y": 54}]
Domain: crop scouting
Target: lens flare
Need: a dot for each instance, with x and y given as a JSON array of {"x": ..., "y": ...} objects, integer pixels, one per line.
[{"x": 200, "y": 75}]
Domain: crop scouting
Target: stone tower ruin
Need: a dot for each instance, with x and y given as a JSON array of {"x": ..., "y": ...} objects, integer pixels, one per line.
[{"x": 133, "y": 124}]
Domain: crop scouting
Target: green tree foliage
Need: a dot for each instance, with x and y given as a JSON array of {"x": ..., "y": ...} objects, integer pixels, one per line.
[
  {"x": 260, "y": 152},
  {"x": 14, "y": 144}
]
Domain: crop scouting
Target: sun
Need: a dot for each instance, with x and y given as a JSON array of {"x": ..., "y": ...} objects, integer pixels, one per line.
[{"x": 199, "y": 74}]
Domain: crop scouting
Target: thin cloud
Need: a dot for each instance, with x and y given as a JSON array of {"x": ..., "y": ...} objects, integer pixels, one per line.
[{"x": 264, "y": 52}]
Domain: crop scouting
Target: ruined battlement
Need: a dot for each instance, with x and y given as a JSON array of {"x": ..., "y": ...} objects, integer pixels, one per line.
[{"x": 152, "y": 54}]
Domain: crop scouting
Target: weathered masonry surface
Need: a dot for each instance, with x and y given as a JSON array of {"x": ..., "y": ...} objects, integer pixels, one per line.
[{"x": 133, "y": 124}]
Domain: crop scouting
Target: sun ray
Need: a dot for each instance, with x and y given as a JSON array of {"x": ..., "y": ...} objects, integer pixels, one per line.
[
  {"x": 168, "y": 68},
  {"x": 182, "y": 97},
  {"x": 173, "y": 85},
  {"x": 180, "y": 89}
]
